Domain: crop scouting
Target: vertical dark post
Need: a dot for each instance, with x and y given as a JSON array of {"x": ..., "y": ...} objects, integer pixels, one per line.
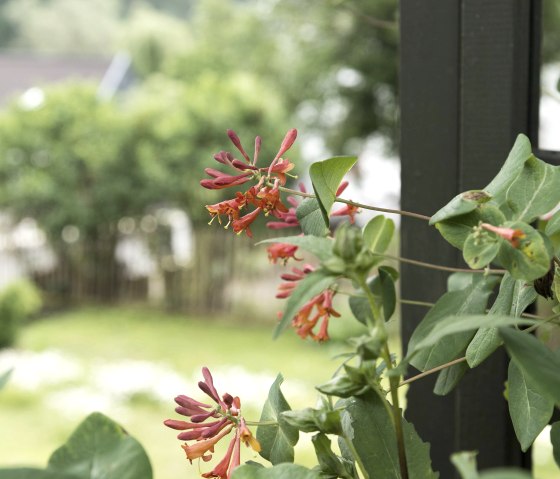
[{"x": 465, "y": 93}]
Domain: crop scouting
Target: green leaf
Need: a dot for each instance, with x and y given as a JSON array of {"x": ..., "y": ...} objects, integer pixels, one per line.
[
  {"x": 98, "y": 449},
  {"x": 456, "y": 230},
  {"x": 514, "y": 297},
  {"x": 101, "y": 449},
  {"x": 511, "y": 169},
  {"x": 311, "y": 219},
  {"x": 465, "y": 462},
  {"x": 326, "y": 177},
  {"x": 4, "y": 377},
  {"x": 537, "y": 363},
  {"x": 531, "y": 258},
  {"x": 471, "y": 300},
  {"x": 367, "y": 423},
  {"x": 311, "y": 285},
  {"x": 553, "y": 225},
  {"x": 32, "y": 473},
  {"x": 383, "y": 288},
  {"x": 535, "y": 191},
  {"x": 277, "y": 441},
  {"x": 281, "y": 471},
  {"x": 479, "y": 251},
  {"x": 320, "y": 246},
  {"x": 555, "y": 441},
  {"x": 452, "y": 325},
  {"x": 449, "y": 378},
  {"x": 505, "y": 473},
  {"x": 329, "y": 463},
  {"x": 462, "y": 204},
  {"x": 530, "y": 412},
  {"x": 378, "y": 234}
]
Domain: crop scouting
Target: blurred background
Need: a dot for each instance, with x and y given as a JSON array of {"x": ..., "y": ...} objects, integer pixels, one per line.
[{"x": 114, "y": 290}]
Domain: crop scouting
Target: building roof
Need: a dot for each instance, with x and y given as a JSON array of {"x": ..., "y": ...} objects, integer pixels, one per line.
[{"x": 21, "y": 71}]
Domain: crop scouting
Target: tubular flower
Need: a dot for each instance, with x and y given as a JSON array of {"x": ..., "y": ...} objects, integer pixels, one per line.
[
  {"x": 509, "y": 234},
  {"x": 316, "y": 311},
  {"x": 226, "y": 415},
  {"x": 243, "y": 223},
  {"x": 265, "y": 196},
  {"x": 283, "y": 252},
  {"x": 305, "y": 322},
  {"x": 229, "y": 208}
]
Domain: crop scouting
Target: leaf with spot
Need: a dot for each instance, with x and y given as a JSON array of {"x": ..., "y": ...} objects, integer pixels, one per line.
[
  {"x": 530, "y": 259},
  {"x": 462, "y": 204},
  {"x": 535, "y": 191}
]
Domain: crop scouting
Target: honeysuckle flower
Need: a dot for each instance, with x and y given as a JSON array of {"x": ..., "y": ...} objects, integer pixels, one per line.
[
  {"x": 315, "y": 312},
  {"x": 226, "y": 416},
  {"x": 283, "y": 252},
  {"x": 264, "y": 196},
  {"x": 243, "y": 223},
  {"x": 347, "y": 210},
  {"x": 291, "y": 279},
  {"x": 229, "y": 208},
  {"x": 223, "y": 180},
  {"x": 509, "y": 234},
  {"x": 288, "y": 219},
  {"x": 305, "y": 322}
]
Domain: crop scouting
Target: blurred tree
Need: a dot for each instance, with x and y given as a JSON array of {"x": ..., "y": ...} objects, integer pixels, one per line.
[{"x": 77, "y": 162}]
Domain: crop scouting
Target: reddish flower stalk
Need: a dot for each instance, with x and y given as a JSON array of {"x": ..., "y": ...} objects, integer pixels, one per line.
[
  {"x": 509, "y": 234},
  {"x": 226, "y": 415}
]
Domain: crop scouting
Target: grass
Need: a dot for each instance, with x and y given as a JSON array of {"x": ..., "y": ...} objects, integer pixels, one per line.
[{"x": 95, "y": 336}]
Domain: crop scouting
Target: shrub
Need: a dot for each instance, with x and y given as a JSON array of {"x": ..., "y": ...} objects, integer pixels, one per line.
[{"x": 18, "y": 301}]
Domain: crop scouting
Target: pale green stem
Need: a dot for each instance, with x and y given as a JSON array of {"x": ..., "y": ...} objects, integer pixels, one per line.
[
  {"x": 393, "y": 381},
  {"x": 356, "y": 456},
  {"x": 443, "y": 268},
  {"x": 261, "y": 423}
]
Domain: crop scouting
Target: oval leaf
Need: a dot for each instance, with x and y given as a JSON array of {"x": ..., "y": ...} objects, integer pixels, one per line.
[
  {"x": 326, "y": 177},
  {"x": 277, "y": 441},
  {"x": 528, "y": 409},
  {"x": 282, "y": 471},
  {"x": 378, "y": 234},
  {"x": 478, "y": 252},
  {"x": 311, "y": 219}
]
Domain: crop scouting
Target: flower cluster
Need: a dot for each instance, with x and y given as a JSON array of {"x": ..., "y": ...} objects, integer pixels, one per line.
[
  {"x": 224, "y": 416},
  {"x": 316, "y": 311},
  {"x": 264, "y": 196}
]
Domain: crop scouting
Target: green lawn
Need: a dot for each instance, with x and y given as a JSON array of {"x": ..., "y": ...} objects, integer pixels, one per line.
[
  {"x": 35, "y": 421},
  {"x": 138, "y": 353}
]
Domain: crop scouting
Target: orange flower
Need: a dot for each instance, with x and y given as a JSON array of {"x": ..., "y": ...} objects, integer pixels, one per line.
[
  {"x": 200, "y": 448},
  {"x": 282, "y": 251},
  {"x": 509, "y": 234}
]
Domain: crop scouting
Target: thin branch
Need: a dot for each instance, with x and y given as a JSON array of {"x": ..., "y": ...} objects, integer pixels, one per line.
[
  {"x": 431, "y": 371},
  {"x": 358, "y": 205},
  {"x": 443, "y": 268},
  {"x": 416, "y": 303}
]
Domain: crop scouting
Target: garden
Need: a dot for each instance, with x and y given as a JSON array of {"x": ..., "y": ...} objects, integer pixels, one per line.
[{"x": 202, "y": 281}]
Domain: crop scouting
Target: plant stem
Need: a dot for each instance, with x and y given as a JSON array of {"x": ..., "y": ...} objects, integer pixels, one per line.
[
  {"x": 443, "y": 268},
  {"x": 359, "y": 205},
  {"x": 261, "y": 423},
  {"x": 430, "y": 371},
  {"x": 393, "y": 380},
  {"x": 356, "y": 456},
  {"x": 416, "y": 303}
]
